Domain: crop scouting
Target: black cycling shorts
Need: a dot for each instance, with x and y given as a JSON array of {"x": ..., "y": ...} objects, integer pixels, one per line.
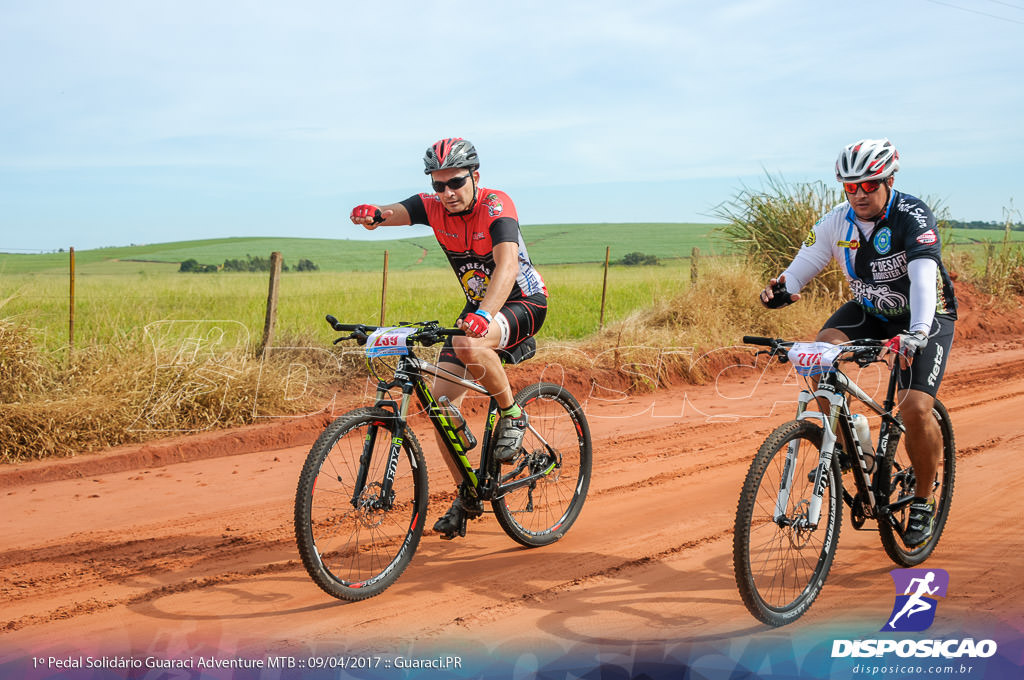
[
  {"x": 926, "y": 371},
  {"x": 518, "y": 320}
]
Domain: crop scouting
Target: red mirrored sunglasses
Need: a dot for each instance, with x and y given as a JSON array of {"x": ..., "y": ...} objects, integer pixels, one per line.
[{"x": 868, "y": 187}]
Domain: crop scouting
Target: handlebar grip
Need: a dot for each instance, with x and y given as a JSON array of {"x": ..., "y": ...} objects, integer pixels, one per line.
[
  {"x": 758, "y": 340},
  {"x": 342, "y": 327}
]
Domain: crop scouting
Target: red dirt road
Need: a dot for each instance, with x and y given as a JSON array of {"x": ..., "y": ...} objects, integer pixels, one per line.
[{"x": 201, "y": 555}]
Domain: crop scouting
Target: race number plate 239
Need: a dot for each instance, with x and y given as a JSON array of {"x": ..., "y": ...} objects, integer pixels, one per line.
[{"x": 385, "y": 342}]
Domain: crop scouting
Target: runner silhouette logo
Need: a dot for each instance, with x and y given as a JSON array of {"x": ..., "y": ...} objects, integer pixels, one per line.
[{"x": 916, "y": 593}]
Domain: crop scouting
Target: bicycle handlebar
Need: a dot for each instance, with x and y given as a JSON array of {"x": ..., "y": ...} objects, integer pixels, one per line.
[
  {"x": 863, "y": 352},
  {"x": 766, "y": 342},
  {"x": 430, "y": 331}
]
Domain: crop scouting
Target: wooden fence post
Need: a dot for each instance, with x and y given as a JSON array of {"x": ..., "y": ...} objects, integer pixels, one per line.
[
  {"x": 384, "y": 289},
  {"x": 694, "y": 261},
  {"x": 604, "y": 286},
  {"x": 71, "y": 304},
  {"x": 271, "y": 319}
]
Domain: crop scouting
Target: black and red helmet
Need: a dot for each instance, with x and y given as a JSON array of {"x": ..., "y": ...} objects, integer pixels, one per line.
[{"x": 453, "y": 152}]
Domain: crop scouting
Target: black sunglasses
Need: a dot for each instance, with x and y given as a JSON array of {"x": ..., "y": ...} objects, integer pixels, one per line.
[{"x": 455, "y": 183}]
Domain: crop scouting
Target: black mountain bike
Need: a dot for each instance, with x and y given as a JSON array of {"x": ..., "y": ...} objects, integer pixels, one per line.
[
  {"x": 789, "y": 513},
  {"x": 362, "y": 496}
]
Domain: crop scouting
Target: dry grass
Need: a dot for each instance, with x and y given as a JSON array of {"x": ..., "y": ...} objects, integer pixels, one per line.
[
  {"x": 107, "y": 395},
  {"x": 690, "y": 336},
  {"x": 22, "y": 368}
]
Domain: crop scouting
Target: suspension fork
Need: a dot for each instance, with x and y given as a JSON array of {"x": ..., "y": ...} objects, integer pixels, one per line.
[
  {"x": 828, "y": 445},
  {"x": 394, "y": 449},
  {"x": 789, "y": 466}
]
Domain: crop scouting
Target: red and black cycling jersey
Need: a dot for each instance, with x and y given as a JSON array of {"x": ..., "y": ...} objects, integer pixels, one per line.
[{"x": 468, "y": 241}]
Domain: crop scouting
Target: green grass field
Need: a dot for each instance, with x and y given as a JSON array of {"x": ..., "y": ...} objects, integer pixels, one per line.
[
  {"x": 108, "y": 306},
  {"x": 121, "y": 290}
]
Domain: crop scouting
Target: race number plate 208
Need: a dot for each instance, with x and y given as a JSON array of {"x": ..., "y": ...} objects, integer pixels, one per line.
[{"x": 814, "y": 358}]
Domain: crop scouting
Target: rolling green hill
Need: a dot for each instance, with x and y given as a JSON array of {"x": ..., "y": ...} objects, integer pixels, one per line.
[{"x": 548, "y": 244}]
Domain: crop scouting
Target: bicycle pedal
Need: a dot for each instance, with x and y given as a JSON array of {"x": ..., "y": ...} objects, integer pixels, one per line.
[{"x": 453, "y": 535}]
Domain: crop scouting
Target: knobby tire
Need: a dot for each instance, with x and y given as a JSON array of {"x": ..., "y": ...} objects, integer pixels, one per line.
[
  {"x": 781, "y": 570},
  {"x": 541, "y": 513},
  {"x": 356, "y": 550},
  {"x": 897, "y": 483}
]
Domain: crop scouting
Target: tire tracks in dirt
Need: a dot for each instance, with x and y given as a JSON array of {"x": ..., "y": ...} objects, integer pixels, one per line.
[{"x": 663, "y": 493}]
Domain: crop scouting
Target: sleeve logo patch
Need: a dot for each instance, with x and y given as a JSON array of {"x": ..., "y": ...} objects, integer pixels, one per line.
[
  {"x": 928, "y": 238},
  {"x": 811, "y": 238},
  {"x": 493, "y": 205}
]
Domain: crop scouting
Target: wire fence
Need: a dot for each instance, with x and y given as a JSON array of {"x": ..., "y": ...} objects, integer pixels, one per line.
[{"x": 74, "y": 305}]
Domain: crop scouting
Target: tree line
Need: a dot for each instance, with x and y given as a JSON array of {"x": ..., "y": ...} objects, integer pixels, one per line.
[
  {"x": 249, "y": 264},
  {"x": 979, "y": 224}
]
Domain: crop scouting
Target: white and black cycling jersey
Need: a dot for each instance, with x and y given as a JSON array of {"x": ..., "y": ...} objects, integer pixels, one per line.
[{"x": 880, "y": 259}]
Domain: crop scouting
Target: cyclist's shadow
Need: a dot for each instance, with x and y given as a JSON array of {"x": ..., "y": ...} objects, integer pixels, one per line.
[{"x": 646, "y": 597}]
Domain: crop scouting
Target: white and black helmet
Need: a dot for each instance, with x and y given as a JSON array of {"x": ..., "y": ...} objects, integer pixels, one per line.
[
  {"x": 453, "y": 152},
  {"x": 867, "y": 159}
]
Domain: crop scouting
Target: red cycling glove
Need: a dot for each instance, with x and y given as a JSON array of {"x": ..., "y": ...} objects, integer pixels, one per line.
[
  {"x": 475, "y": 323},
  {"x": 365, "y": 210}
]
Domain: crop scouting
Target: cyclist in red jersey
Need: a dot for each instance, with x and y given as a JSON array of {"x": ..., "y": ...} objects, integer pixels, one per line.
[{"x": 478, "y": 229}]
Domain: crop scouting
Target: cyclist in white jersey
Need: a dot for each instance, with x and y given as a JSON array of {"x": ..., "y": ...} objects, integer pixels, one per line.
[{"x": 887, "y": 244}]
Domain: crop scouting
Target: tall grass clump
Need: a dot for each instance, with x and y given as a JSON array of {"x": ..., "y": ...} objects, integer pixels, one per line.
[
  {"x": 1003, "y": 274},
  {"x": 767, "y": 226},
  {"x": 689, "y": 335},
  {"x": 23, "y": 370},
  {"x": 995, "y": 268}
]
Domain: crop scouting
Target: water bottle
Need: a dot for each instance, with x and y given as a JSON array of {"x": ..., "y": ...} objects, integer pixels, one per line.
[
  {"x": 863, "y": 432},
  {"x": 458, "y": 423},
  {"x": 860, "y": 425}
]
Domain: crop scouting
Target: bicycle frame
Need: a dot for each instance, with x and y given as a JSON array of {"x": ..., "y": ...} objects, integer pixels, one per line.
[
  {"x": 832, "y": 388},
  {"x": 479, "y": 483}
]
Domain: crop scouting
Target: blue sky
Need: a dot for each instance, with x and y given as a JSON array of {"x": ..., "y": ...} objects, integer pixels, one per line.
[{"x": 143, "y": 122}]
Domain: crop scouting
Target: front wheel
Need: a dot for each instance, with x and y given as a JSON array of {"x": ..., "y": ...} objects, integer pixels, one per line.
[
  {"x": 542, "y": 492},
  {"x": 359, "y": 516},
  {"x": 779, "y": 558},
  {"x": 898, "y": 484}
]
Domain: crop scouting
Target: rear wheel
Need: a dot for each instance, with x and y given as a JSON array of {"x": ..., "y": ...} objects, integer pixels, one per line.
[
  {"x": 780, "y": 560},
  {"x": 898, "y": 484},
  {"x": 354, "y": 536},
  {"x": 556, "y": 454}
]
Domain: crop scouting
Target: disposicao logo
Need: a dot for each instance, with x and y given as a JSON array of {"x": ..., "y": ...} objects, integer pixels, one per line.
[
  {"x": 916, "y": 593},
  {"x": 913, "y": 611}
]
